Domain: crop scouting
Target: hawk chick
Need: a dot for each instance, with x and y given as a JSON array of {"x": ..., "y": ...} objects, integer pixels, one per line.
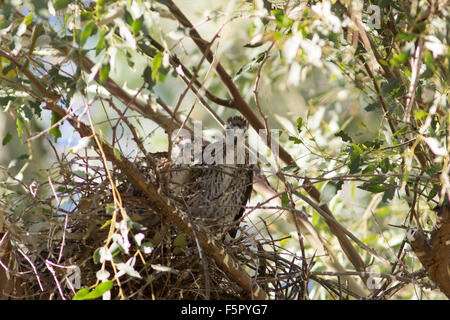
[
  {"x": 222, "y": 183},
  {"x": 215, "y": 191}
]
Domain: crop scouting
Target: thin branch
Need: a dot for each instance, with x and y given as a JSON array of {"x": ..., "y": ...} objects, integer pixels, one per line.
[
  {"x": 417, "y": 62},
  {"x": 175, "y": 62}
]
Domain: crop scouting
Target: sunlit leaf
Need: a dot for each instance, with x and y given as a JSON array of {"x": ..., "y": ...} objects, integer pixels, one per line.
[
  {"x": 136, "y": 26},
  {"x": 100, "y": 43},
  {"x": 81, "y": 294},
  {"x": 87, "y": 32},
  {"x": 156, "y": 63},
  {"x": 104, "y": 73},
  {"x": 97, "y": 292},
  {"x": 299, "y": 124}
]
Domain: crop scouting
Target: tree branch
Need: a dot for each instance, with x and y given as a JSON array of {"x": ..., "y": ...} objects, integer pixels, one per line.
[
  {"x": 434, "y": 252},
  {"x": 243, "y": 107}
]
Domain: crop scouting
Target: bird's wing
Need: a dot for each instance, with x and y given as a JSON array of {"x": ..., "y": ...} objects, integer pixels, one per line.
[{"x": 247, "y": 193}]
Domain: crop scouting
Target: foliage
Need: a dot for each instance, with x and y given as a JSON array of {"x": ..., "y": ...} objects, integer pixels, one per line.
[{"x": 358, "y": 89}]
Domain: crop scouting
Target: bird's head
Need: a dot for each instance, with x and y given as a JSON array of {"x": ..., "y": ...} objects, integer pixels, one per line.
[
  {"x": 236, "y": 137},
  {"x": 236, "y": 122},
  {"x": 236, "y": 127}
]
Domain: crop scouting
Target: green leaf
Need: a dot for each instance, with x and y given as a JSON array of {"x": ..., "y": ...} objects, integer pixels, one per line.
[
  {"x": 81, "y": 294},
  {"x": 20, "y": 129},
  {"x": 419, "y": 114},
  {"x": 329, "y": 190},
  {"x": 28, "y": 19},
  {"x": 179, "y": 243},
  {"x": 110, "y": 208},
  {"x": 96, "y": 256},
  {"x": 420, "y": 26},
  {"x": 357, "y": 148},
  {"x": 61, "y": 4},
  {"x": 399, "y": 92},
  {"x": 104, "y": 73},
  {"x": 369, "y": 169},
  {"x": 384, "y": 165},
  {"x": 290, "y": 167},
  {"x": 256, "y": 45},
  {"x": 373, "y": 107},
  {"x": 281, "y": 21},
  {"x": 433, "y": 192},
  {"x": 249, "y": 65},
  {"x": 6, "y": 139},
  {"x": 383, "y": 62},
  {"x": 85, "y": 16},
  {"x": 388, "y": 194},
  {"x": 55, "y": 130},
  {"x": 117, "y": 154},
  {"x": 25, "y": 112},
  {"x": 299, "y": 124},
  {"x": 355, "y": 159},
  {"x": 374, "y": 188},
  {"x": 345, "y": 137},
  {"x": 431, "y": 65},
  {"x": 260, "y": 57},
  {"x": 405, "y": 37},
  {"x": 100, "y": 43},
  {"x": 375, "y": 144},
  {"x": 399, "y": 59},
  {"x": 164, "y": 2},
  {"x": 35, "y": 107},
  {"x": 156, "y": 63},
  {"x": 434, "y": 169},
  {"x": 100, "y": 290},
  {"x": 401, "y": 130},
  {"x": 94, "y": 294},
  {"x": 105, "y": 225},
  {"x": 389, "y": 85},
  {"x": 147, "y": 75},
  {"x": 136, "y": 25},
  {"x": 296, "y": 140},
  {"x": 284, "y": 199},
  {"x": 87, "y": 32}
]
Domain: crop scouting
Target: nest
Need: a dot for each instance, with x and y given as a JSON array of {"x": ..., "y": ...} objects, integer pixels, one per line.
[{"x": 69, "y": 233}]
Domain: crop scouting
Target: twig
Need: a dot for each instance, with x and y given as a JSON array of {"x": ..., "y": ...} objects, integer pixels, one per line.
[
  {"x": 415, "y": 69},
  {"x": 32, "y": 266},
  {"x": 49, "y": 264},
  {"x": 335, "y": 223}
]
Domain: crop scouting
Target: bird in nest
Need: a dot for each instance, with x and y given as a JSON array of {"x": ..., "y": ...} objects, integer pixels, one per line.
[{"x": 215, "y": 191}]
